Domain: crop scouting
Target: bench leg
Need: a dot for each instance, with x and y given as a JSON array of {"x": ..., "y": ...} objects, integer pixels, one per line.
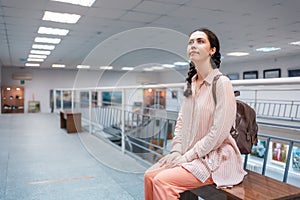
[
  {"x": 207, "y": 192},
  {"x": 188, "y": 195}
]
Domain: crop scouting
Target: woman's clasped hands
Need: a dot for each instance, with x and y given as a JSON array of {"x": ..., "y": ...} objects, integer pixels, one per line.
[{"x": 173, "y": 159}]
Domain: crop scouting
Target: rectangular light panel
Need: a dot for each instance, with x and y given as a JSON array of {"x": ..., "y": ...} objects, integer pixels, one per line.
[
  {"x": 58, "y": 65},
  {"x": 40, "y": 52},
  {"x": 61, "y": 17},
  {"x": 47, "y": 40},
  {"x": 37, "y": 56},
  {"x": 87, "y": 3},
  {"x": 32, "y": 64},
  {"x": 53, "y": 31},
  {"x": 35, "y": 59},
  {"x": 43, "y": 46}
]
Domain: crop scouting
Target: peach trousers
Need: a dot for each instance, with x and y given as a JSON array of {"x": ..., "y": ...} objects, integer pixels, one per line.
[{"x": 167, "y": 183}]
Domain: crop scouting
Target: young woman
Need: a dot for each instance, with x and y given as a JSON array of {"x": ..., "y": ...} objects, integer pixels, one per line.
[{"x": 203, "y": 151}]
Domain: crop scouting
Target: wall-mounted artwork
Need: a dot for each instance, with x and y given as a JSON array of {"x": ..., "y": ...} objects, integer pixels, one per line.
[
  {"x": 272, "y": 73},
  {"x": 233, "y": 76},
  {"x": 250, "y": 75},
  {"x": 296, "y": 158},
  {"x": 111, "y": 98},
  {"x": 58, "y": 99},
  {"x": 67, "y": 99},
  {"x": 51, "y": 101},
  {"x": 259, "y": 149},
  {"x": 94, "y": 98},
  {"x": 84, "y": 99},
  {"x": 293, "y": 72},
  {"x": 279, "y": 152},
  {"x": 174, "y": 94}
]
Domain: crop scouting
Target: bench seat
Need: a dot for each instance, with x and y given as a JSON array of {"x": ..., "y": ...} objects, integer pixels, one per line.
[{"x": 254, "y": 187}]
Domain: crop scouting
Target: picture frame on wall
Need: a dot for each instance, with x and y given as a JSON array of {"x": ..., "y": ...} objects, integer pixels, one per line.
[
  {"x": 67, "y": 99},
  {"x": 84, "y": 99},
  {"x": 111, "y": 98},
  {"x": 294, "y": 72},
  {"x": 250, "y": 75},
  {"x": 174, "y": 94},
  {"x": 234, "y": 76},
  {"x": 272, "y": 73}
]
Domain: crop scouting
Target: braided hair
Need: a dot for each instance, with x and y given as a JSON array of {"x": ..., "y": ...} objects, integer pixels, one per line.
[{"x": 215, "y": 59}]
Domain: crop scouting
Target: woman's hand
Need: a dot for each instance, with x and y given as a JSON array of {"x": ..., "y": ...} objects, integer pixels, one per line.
[
  {"x": 177, "y": 162},
  {"x": 168, "y": 159}
]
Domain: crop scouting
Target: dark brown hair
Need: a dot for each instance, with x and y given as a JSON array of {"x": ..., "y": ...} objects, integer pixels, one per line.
[{"x": 215, "y": 58}]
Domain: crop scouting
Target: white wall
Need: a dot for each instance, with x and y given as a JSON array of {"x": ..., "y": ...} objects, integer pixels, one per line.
[{"x": 284, "y": 63}]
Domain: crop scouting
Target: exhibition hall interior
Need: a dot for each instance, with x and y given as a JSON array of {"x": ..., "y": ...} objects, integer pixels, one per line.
[{"x": 91, "y": 91}]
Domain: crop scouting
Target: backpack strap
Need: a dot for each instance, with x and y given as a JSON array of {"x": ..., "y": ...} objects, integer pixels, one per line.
[
  {"x": 216, "y": 78},
  {"x": 214, "y": 85}
]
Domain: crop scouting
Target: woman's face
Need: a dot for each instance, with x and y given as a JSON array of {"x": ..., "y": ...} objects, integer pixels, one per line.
[{"x": 199, "y": 47}]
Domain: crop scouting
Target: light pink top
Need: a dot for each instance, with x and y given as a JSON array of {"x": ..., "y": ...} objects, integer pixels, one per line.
[{"x": 202, "y": 133}]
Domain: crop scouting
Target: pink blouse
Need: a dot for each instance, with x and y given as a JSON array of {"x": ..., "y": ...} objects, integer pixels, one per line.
[{"x": 202, "y": 133}]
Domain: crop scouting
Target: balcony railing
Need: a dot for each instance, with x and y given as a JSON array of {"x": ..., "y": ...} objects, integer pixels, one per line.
[{"x": 146, "y": 132}]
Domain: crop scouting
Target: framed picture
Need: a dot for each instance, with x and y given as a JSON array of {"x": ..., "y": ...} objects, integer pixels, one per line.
[
  {"x": 260, "y": 149},
  {"x": 272, "y": 73},
  {"x": 296, "y": 158},
  {"x": 250, "y": 75},
  {"x": 58, "y": 99},
  {"x": 174, "y": 94},
  {"x": 84, "y": 99},
  {"x": 234, "y": 76},
  {"x": 279, "y": 152},
  {"x": 293, "y": 72},
  {"x": 111, "y": 98}
]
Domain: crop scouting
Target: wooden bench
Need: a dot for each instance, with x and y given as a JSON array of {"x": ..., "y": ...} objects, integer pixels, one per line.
[
  {"x": 254, "y": 187},
  {"x": 70, "y": 120}
]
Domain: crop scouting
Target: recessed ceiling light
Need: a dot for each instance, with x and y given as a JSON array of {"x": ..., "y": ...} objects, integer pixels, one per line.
[
  {"x": 148, "y": 69},
  {"x": 61, "y": 17},
  {"x": 295, "y": 43},
  {"x": 43, "y": 46},
  {"x": 87, "y": 3},
  {"x": 37, "y": 56},
  {"x": 40, "y": 52},
  {"x": 35, "y": 59},
  {"x": 32, "y": 64},
  {"x": 268, "y": 49},
  {"x": 83, "y": 66},
  {"x": 106, "y": 67},
  {"x": 53, "y": 31},
  {"x": 168, "y": 65},
  {"x": 128, "y": 68},
  {"x": 58, "y": 65},
  {"x": 237, "y": 54},
  {"x": 157, "y": 67},
  {"x": 181, "y": 63},
  {"x": 47, "y": 40}
]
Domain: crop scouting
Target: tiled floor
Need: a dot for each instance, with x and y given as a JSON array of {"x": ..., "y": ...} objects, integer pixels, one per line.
[{"x": 40, "y": 161}]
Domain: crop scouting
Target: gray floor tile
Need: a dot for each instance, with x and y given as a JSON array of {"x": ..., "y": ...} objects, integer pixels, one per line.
[{"x": 38, "y": 160}]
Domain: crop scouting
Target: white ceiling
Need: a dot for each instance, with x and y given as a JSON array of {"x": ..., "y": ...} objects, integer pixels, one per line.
[{"x": 136, "y": 33}]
